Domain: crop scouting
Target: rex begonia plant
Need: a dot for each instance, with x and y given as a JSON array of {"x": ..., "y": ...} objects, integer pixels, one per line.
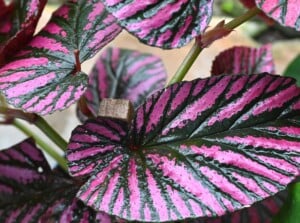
[{"x": 215, "y": 150}]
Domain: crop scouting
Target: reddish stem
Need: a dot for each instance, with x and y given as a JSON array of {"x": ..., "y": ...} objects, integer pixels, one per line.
[{"x": 77, "y": 61}]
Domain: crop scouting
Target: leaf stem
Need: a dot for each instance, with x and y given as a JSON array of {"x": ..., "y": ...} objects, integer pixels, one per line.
[
  {"x": 77, "y": 61},
  {"x": 38, "y": 121},
  {"x": 43, "y": 125},
  {"x": 59, "y": 159},
  {"x": 196, "y": 49}
]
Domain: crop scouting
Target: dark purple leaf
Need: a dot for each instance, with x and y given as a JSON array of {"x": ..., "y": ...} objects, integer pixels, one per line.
[
  {"x": 166, "y": 24},
  {"x": 17, "y": 25},
  {"x": 286, "y": 12},
  {"x": 244, "y": 60},
  {"x": 46, "y": 76},
  {"x": 195, "y": 149},
  {"x": 124, "y": 74},
  {"x": 30, "y": 192}
]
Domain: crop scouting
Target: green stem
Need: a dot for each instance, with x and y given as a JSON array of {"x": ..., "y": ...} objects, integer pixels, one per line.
[
  {"x": 43, "y": 125},
  {"x": 37, "y": 120},
  {"x": 59, "y": 159},
  {"x": 196, "y": 49}
]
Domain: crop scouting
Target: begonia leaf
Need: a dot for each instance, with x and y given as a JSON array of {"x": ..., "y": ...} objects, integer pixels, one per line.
[
  {"x": 166, "y": 23},
  {"x": 17, "y": 25},
  {"x": 124, "y": 74},
  {"x": 195, "y": 149},
  {"x": 30, "y": 192},
  {"x": 46, "y": 76},
  {"x": 260, "y": 212},
  {"x": 286, "y": 12},
  {"x": 244, "y": 60}
]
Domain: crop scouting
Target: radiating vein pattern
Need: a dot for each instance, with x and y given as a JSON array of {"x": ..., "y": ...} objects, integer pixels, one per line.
[
  {"x": 30, "y": 192},
  {"x": 166, "y": 24},
  {"x": 195, "y": 149},
  {"x": 244, "y": 60},
  {"x": 286, "y": 12},
  {"x": 44, "y": 76},
  {"x": 125, "y": 74}
]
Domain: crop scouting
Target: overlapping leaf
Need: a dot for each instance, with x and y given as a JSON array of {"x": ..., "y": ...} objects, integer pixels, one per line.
[
  {"x": 30, "y": 192},
  {"x": 166, "y": 23},
  {"x": 125, "y": 74},
  {"x": 286, "y": 12},
  {"x": 261, "y": 212},
  {"x": 17, "y": 25},
  {"x": 244, "y": 60},
  {"x": 196, "y": 149},
  {"x": 45, "y": 76}
]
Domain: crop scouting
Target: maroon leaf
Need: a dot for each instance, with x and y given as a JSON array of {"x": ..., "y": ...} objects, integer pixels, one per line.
[
  {"x": 244, "y": 60},
  {"x": 30, "y": 192},
  {"x": 166, "y": 24},
  {"x": 195, "y": 149},
  {"x": 124, "y": 74},
  {"x": 46, "y": 76},
  {"x": 17, "y": 25},
  {"x": 285, "y": 12}
]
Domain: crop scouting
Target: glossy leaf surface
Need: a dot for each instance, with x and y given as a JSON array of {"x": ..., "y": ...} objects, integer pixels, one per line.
[
  {"x": 244, "y": 60},
  {"x": 17, "y": 25},
  {"x": 30, "y": 192},
  {"x": 195, "y": 149},
  {"x": 286, "y": 12},
  {"x": 166, "y": 23},
  {"x": 45, "y": 76},
  {"x": 293, "y": 69},
  {"x": 124, "y": 74}
]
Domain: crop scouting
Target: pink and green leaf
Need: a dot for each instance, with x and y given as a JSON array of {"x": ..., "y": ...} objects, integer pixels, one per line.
[
  {"x": 17, "y": 25},
  {"x": 244, "y": 60},
  {"x": 286, "y": 12},
  {"x": 195, "y": 149},
  {"x": 46, "y": 75},
  {"x": 166, "y": 23},
  {"x": 31, "y": 192},
  {"x": 261, "y": 212},
  {"x": 124, "y": 74}
]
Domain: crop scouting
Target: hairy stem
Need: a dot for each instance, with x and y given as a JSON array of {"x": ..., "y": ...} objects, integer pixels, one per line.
[
  {"x": 196, "y": 49},
  {"x": 44, "y": 146}
]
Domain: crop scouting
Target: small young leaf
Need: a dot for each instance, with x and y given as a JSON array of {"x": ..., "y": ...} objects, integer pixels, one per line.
[
  {"x": 244, "y": 60},
  {"x": 286, "y": 12},
  {"x": 123, "y": 74},
  {"x": 195, "y": 149},
  {"x": 293, "y": 69},
  {"x": 17, "y": 25},
  {"x": 165, "y": 23},
  {"x": 30, "y": 192},
  {"x": 46, "y": 76}
]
